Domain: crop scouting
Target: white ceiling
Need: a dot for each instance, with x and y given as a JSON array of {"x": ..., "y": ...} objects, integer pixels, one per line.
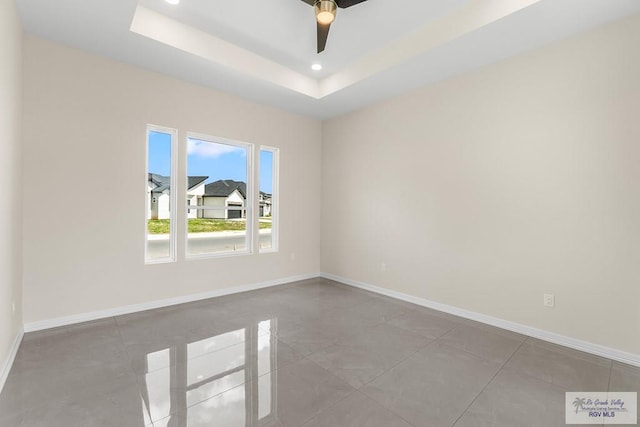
[
  {"x": 263, "y": 50},
  {"x": 286, "y": 32}
]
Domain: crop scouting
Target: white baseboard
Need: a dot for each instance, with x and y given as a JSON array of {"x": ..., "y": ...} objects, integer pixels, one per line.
[
  {"x": 102, "y": 314},
  {"x": 8, "y": 363},
  {"x": 599, "y": 350}
]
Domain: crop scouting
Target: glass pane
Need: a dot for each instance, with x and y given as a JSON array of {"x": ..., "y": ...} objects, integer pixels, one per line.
[
  {"x": 217, "y": 197},
  {"x": 266, "y": 209},
  {"x": 159, "y": 195}
]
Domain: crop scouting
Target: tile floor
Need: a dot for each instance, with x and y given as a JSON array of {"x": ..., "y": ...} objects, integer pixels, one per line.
[{"x": 312, "y": 353}]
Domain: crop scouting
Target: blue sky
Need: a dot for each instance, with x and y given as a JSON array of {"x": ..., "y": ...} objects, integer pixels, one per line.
[{"x": 217, "y": 161}]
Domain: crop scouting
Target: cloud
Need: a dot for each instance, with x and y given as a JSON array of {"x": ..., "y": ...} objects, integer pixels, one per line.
[{"x": 210, "y": 149}]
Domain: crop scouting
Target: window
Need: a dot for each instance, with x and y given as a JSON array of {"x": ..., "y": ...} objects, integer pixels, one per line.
[
  {"x": 219, "y": 190},
  {"x": 231, "y": 197},
  {"x": 268, "y": 209},
  {"x": 160, "y": 221}
]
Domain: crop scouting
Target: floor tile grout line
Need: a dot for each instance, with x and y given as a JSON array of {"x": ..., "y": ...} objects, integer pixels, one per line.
[
  {"x": 386, "y": 409},
  {"x": 359, "y": 389},
  {"x": 352, "y": 392},
  {"x": 450, "y": 331},
  {"x": 435, "y": 341},
  {"x": 126, "y": 350},
  {"x": 479, "y": 355},
  {"x": 431, "y": 342},
  {"x": 489, "y": 382},
  {"x": 502, "y": 364},
  {"x": 331, "y": 405},
  {"x": 336, "y": 343},
  {"x": 464, "y": 324},
  {"x": 337, "y": 340},
  {"x": 419, "y": 333},
  {"x": 133, "y": 372},
  {"x": 525, "y": 374},
  {"x": 404, "y": 359},
  {"x": 569, "y": 351}
]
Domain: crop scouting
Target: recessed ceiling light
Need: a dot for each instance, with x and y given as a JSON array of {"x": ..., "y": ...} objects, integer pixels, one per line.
[
  {"x": 316, "y": 67},
  {"x": 173, "y": 1}
]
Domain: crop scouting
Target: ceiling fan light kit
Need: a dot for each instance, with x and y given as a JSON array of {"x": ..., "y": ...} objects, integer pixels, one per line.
[{"x": 326, "y": 11}]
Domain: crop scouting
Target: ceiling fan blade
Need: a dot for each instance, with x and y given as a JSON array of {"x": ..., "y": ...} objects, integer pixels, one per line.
[
  {"x": 341, "y": 3},
  {"x": 323, "y": 33},
  {"x": 347, "y": 3}
]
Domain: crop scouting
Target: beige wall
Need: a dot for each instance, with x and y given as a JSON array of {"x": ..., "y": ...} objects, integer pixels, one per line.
[
  {"x": 490, "y": 189},
  {"x": 10, "y": 177},
  {"x": 84, "y": 123}
]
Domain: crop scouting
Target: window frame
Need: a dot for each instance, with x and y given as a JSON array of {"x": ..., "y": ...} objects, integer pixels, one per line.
[
  {"x": 275, "y": 201},
  {"x": 173, "y": 196},
  {"x": 249, "y": 229}
]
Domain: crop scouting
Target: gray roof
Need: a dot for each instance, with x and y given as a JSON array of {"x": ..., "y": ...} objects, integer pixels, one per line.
[
  {"x": 163, "y": 183},
  {"x": 194, "y": 181},
  {"x": 224, "y": 188}
]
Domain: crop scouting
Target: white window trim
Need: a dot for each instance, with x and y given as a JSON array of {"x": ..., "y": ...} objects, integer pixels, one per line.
[
  {"x": 250, "y": 195},
  {"x": 173, "y": 199},
  {"x": 275, "y": 199}
]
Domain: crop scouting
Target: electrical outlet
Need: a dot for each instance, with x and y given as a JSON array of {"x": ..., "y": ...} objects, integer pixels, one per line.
[
  {"x": 549, "y": 300},
  {"x": 383, "y": 267},
  {"x": 293, "y": 256}
]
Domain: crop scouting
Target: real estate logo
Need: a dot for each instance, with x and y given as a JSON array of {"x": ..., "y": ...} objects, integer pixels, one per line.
[{"x": 601, "y": 408}]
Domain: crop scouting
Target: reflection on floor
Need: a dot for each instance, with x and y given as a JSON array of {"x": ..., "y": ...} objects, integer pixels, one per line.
[
  {"x": 312, "y": 353},
  {"x": 185, "y": 376}
]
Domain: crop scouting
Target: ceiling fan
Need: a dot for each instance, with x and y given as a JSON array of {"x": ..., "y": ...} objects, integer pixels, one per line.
[{"x": 325, "y": 14}]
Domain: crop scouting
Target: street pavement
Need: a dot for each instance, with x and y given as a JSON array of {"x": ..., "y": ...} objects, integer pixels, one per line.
[{"x": 205, "y": 243}]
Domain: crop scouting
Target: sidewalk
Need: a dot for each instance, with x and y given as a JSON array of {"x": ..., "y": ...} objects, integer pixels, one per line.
[{"x": 212, "y": 234}]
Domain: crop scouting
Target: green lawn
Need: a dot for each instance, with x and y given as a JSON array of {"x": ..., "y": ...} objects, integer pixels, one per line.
[{"x": 161, "y": 226}]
